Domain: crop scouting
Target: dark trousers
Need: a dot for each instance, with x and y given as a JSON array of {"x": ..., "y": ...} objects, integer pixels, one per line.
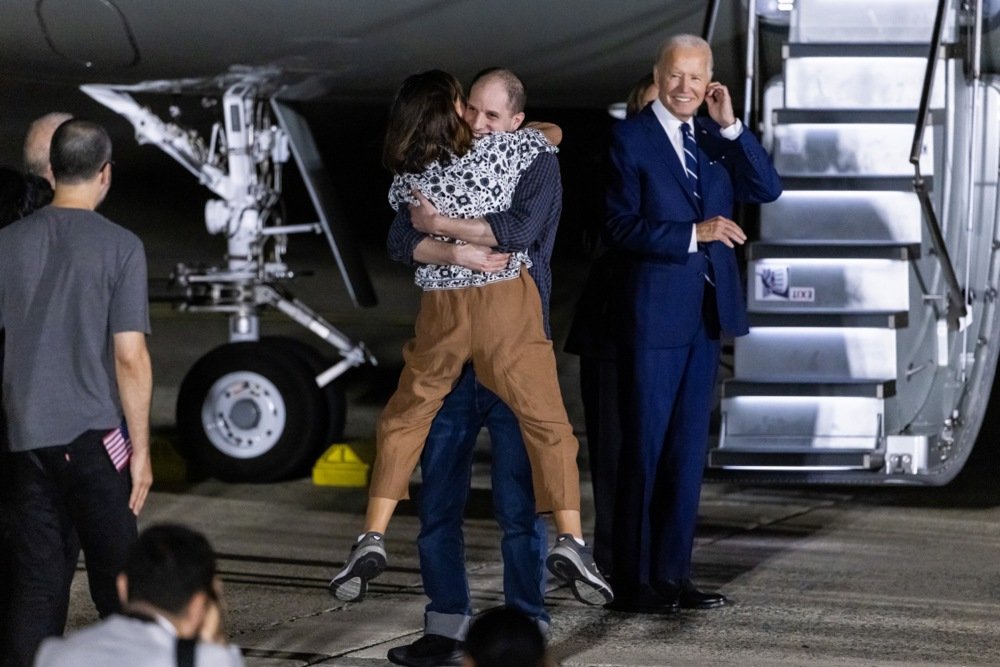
[
  {"x": 446, "y": 470},
  {"x": 599, "y": 389},
  {"x": 665, "y": 410},
  {"x": 59, "y": 490},
  {"x": 5, "y": 548}
]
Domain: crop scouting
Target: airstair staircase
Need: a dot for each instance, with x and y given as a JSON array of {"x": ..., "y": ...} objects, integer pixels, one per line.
[{"x": 848, "y": 366}]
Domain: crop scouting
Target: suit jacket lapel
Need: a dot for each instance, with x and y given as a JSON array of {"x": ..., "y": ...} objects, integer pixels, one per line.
[{"x": 661, "y": 145}]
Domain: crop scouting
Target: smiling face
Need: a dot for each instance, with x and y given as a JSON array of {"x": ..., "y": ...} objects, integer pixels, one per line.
[
  {"x": 682, "y": 76},
  {"x": 489, "y": 108}
]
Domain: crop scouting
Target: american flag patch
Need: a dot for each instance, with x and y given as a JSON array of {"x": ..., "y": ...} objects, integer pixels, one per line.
[{"x": 118, "y": 446}]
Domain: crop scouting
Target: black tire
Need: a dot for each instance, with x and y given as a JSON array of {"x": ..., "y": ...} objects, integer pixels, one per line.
[
  {"x": 333, "y": 393},
  {"x": 250, "y": 412}
]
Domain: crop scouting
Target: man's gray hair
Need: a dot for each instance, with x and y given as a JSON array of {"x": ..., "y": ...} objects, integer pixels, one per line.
[{"x": 684, "y": 42}]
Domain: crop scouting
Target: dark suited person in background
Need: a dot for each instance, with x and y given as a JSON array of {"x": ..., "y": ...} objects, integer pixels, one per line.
[
  {"x": 674, "y": 181},
  {"x": 591, "y": 337}
]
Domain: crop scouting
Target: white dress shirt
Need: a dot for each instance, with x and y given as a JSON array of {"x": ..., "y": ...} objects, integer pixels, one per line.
[{"x": 672, "y": 126}]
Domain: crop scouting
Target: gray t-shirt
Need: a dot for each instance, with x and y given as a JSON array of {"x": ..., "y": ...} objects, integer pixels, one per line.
[{"x": 69, "y": 280}]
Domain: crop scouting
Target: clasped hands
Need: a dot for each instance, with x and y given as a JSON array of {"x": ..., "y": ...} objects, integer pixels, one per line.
[{"x": 425, "y": 218}]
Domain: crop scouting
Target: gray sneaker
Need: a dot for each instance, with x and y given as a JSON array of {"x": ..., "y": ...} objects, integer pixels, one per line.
[
  {"x": 366, "y": 561},
  {"x": 574, "y": 565}
]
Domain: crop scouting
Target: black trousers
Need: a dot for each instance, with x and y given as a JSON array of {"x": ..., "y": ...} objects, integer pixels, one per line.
[
  {"x": 58, "y": 493},
  {"x": 599, "y": 388}
]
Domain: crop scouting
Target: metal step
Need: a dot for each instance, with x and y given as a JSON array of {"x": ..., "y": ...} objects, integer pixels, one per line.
[
  {"x": 845, "y": 285},
  {"x": 879, "y": 389},
  {"x": 862, "y": 116},
  {"x": 885, "y": 21},
  {"x": 820, "y": 216},
  {"x": 847, "y": 249},
  {"x": 856, "y": 50},
  {"x": 853, "y": 183},
  {"x": 815, "y": 354},
  {"x": 899, "y": 454},
  {"x": 858, "y": 83},
  {"x": 838, "y": 422},
  {"x": 787, "y": 317},
  {"x": 847, "y": 150},
  {"x": 804, "y": 460}
]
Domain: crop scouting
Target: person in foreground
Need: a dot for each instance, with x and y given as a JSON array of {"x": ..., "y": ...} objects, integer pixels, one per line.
[
  {"x": 172, "y": 611},
  {"x": 76, "y": 368},
  {"x": 492, "y": 317},
  {"x": 502, "y": 638},
  {"x": 674, "y": 180}
]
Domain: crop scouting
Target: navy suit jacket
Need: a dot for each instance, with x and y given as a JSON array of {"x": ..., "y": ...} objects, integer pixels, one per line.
[{"x": 650, "y": 211}]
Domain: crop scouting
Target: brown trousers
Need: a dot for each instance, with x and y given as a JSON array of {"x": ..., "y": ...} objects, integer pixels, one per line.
[{"x": 499, "y": 327}]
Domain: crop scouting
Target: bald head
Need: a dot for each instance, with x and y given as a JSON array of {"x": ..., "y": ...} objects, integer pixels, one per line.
[
  {"x": 510, "y": 82},
  {"x": 37, "y": 144},
  {"x": 496, "y": 102}
]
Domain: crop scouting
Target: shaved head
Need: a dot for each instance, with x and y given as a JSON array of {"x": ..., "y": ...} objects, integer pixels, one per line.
[{"x": 38, "y": 142}]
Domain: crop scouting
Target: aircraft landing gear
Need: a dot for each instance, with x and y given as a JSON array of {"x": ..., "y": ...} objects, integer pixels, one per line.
[
  {"x": 257, "y": 409},
  {"x": 252, "y": 411}
]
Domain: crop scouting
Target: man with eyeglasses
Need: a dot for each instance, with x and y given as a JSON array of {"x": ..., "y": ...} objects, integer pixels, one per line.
[{"x": 77, "y": 389}]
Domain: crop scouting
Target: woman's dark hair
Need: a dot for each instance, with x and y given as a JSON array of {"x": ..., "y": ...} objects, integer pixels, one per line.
[
  {"x": 423, "y": 125},
  {"x": 20, "y": 194},
  {"x": 503, "y": 637}
]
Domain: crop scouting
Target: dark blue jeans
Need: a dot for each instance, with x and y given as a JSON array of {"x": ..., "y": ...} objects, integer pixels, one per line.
[
  {"x": 57, "y": 490},
  {"x": 446, "y": 469}
]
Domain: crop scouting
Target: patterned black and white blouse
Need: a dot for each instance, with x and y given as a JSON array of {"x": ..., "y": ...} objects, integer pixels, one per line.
[{"x": 481, "y": 181}]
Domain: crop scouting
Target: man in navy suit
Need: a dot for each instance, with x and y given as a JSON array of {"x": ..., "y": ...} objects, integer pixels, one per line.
[{"x": 670, "y": 204}]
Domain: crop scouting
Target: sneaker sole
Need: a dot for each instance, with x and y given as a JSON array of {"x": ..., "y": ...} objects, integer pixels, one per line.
[
  {"x": 583, "y": 588},
  {"x": 353, "y": 585}
]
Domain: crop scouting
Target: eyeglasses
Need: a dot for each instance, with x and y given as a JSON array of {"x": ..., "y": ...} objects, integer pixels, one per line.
[{"x": 107, "y": 163}]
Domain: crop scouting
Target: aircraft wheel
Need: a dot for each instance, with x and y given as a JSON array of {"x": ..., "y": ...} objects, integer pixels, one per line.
[
  {"x": 250, "y": 412},
  {"x": 333, "y": 393}
]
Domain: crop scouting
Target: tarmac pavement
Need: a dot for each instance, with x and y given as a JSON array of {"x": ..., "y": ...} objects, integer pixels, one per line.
[{"x": 817, "y": 576}]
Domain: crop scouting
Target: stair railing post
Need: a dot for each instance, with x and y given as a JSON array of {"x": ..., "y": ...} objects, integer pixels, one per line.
[{"x": 956, "y": 302}]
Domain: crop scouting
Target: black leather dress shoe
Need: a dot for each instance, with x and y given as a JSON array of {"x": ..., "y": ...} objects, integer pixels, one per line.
[
  {"x": 646, "y": 601},
  {"x": 689, "y": 597},
  {"x": 428, "y": 651}
]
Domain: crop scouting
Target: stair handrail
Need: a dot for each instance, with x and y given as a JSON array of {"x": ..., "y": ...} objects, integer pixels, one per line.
[
  {"x": 708, "y": 31},
  {"x": 975, "y": 74},
  {"x": 751, "y": 63},
  {"x": 708, "y": 26},
  {"x": 956, "y": 302}
]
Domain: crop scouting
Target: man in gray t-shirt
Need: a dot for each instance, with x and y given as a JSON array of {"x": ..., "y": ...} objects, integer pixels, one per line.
[{"x": 74, "y": 305}]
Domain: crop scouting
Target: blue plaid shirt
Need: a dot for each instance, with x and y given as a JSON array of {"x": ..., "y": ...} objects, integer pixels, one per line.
[{"x": 529, "y": 224}]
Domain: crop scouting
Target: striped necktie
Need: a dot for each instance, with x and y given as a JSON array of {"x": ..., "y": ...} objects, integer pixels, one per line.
[
  {"x": 691, "y": 159},
  {"x": 691, "y": 167}
]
